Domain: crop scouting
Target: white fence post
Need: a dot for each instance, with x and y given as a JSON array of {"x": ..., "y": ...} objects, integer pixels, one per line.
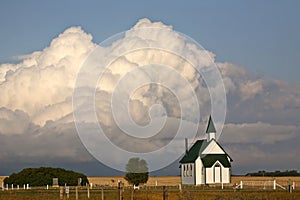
[
  {"x": 274, "y": 185},
  {"x": 241, "y": 184},
  {"x": 293, "y": 185}
]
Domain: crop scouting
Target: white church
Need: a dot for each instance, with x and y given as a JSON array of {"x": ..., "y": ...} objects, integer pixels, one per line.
[{"x": 206, "y": 162}]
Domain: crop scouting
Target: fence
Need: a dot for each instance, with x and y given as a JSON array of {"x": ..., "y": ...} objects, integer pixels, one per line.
[
  {"x": 146, "y": 192},
  {"x": 265, "y": 185}
]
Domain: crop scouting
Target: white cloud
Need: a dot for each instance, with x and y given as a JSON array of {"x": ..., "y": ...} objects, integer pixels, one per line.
[
  {"x": 36, "y": 95},
  {"x": 45, "y": 78}
]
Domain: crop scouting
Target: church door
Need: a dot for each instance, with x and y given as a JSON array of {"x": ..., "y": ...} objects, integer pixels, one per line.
[{"x": 217, "y": 173}]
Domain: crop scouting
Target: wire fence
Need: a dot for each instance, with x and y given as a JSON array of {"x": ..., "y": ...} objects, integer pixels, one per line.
[{"x": 144, "y": 193}]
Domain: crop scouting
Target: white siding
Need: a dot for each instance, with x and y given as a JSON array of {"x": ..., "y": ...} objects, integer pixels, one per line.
[
  {"x": 209, "y": 175},
  {"x": 213, "y": 148},
  {"x": 188, "y": 174},
  {"x": 199, "y": 174},
  {"x": 225, "y": 175}
]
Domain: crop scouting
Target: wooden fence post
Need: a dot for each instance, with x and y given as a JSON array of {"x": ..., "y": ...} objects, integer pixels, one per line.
[
  {"x": 132, "y": 191},
  {"x": 119, "y": 191},
  {"x": 61, "y": 192},
  {"x": 102, "y": 193},
  {"x": 165, "y": 193},
  {"x": 76, "y": 193},
  {"x": 241, "y": 185}
]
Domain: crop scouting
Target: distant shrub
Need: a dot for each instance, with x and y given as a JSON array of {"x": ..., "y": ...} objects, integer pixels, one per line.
[
  {"x": 44, "y": 176},
  {"x": 275, "y": 173}
]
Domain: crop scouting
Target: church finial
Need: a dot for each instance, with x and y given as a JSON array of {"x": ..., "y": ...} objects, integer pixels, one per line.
[{"x": 211, "y": 130}]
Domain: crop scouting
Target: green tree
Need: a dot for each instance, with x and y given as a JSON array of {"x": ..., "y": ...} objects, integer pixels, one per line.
[
  {"x": 136, "y": 171},
  {"x": 44, "y": 176}
]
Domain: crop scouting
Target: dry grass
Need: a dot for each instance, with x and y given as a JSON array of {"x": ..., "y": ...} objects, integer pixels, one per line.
[
  {"x": 151, "y": 194},
  {"x": 175, "y": 180},
  {"x": 153, "y": 181},
  {"x": 2, "y": 178},
  {"x": 155, "y": 193},
  {"x": 279, "y": 180}
]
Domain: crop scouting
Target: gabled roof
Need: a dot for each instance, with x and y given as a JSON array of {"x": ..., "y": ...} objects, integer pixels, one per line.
[
  {"x": 194, "y": 152},
  {"x": 210, "y": 159},
  {"x": 210, "y": 126}
]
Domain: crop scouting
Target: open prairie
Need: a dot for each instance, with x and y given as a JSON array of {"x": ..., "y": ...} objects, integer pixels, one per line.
[
  {"x": 106, "y": 186},
  {"x": 175, "y": 180}
]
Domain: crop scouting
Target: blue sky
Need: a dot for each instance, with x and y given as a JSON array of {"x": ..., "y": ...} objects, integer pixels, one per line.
[{"x": 262, "y": 36}]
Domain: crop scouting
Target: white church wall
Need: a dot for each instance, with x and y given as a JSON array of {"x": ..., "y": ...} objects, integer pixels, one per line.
[
  {"x": 209, "y": 175},
  {"x": 199, "y": 172},
  {"x": 225, "y": 175},
  {"x": 188, "y": 174}
]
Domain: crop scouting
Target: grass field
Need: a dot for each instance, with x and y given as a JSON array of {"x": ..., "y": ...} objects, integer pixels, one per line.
[
  {"x": 175, "y": 180},
  {"x": 153, "y": 192}
]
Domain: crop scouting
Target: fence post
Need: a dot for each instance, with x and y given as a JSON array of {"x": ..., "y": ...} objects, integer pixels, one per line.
[
  {"x": 67, "y": 191},
  {"x": 165, "y": 193},
  {"x": 132, "y": 191},
  {"x": 241, "y": 184},
  {"x": 102, "y": 194},
  {"x": 76, "y": 192},
  {"x": 274, "y": 185},
  {"x": 119, "y": 190},
  {"x": 88, "y": 191},
  {"x": 293, "y": 185},
  {"x": 61, "y": 192},
  {"x": 180, "y": 189}
]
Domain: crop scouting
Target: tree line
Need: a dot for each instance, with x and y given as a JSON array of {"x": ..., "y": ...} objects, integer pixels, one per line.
[
  {"x": 44, "y": 176},
  {"x": 275, "y": 173}
]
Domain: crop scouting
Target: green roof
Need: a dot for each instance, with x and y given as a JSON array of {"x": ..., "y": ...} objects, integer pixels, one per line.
[
  {"x": 194, "y": 152},
  {"x": 210, "y": 126},
  {"x": 210, "y": 159}
]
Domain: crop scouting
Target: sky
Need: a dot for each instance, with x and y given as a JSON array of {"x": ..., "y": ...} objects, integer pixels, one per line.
[{"x": 255, "y": 44}]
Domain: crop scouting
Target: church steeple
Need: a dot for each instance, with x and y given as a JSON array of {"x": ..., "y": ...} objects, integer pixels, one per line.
[{"x": 210, "y": 130}]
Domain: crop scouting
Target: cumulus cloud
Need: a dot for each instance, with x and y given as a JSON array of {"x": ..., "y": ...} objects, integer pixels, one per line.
[
  {"x": 36, "y": 95},
  {"x": 45, "y": 78}
]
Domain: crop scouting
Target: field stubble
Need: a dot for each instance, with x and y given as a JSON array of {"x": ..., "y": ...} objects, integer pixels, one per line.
[{"x": 153, "y": 192}]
